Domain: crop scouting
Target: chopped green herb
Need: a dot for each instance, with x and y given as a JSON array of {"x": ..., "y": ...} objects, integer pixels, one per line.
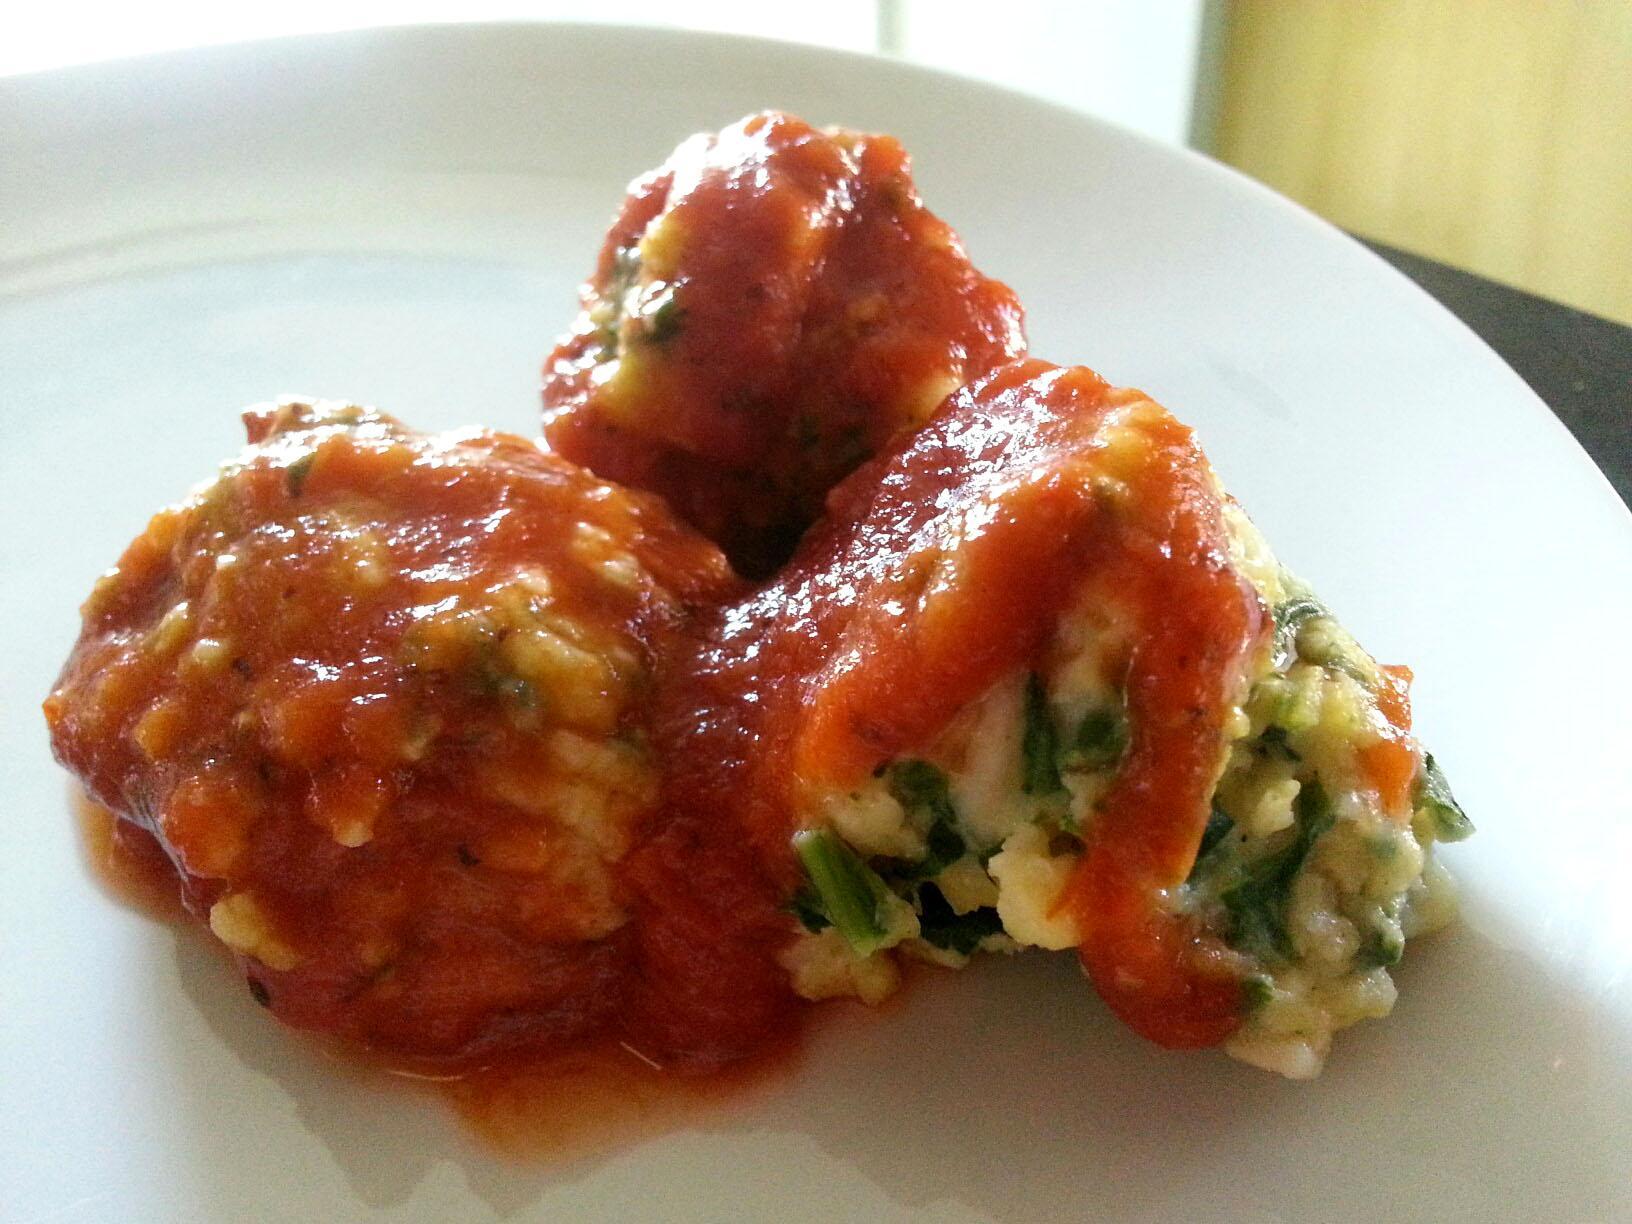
[
  {"x": 806, "y": 906},
  {"x": 663, "y": 318},
  {"x": 917, "y": 783},
  {"x": 625, "y": 271},
  {"x": 1039, "y": 745},
  {"x": 1298, "y": 708},
  {"x": 488, "y": 678},
  {"x": 1384, "y": 848},
  {"x": 945, "y": 847},
  {"x": 1382, "y": 947},
  {"x": 1257, "y": 924},
  {"x": 852, "y": 895},
  {"x": 940, "y": 926},
  {"x": 295, "y": 476},
  {"x": 1273, "y": 743},
  {"x": 1218, "y": 824},
  {"x": 1433, "y": 794},
  {"x": 922, "y": 789},
  {"x": 1101, "y": 739},
  {"x": 1257, "y": 905},
  {"x": 1290, "y": 617},
  {"x": 1256, "y": 990}
]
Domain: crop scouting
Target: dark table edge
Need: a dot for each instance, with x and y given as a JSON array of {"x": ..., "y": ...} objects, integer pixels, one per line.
[{"x": 1580, "y": 364}]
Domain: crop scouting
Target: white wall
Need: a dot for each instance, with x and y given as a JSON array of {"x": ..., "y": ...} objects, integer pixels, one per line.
[{"x": 1130, "y": 61}]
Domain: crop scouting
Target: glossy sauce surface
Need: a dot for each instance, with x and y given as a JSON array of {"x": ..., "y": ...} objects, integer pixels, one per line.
[
  {"x": 941, "y": 568},
  {"x": 1197, "y": 620},
  {"x": 127, "y": 861},
  {"x": 771, "y": 307},
  {"x": 381, "y": 698},
  {"x": 550, "y": 1107},
  {"x": 1393, "y": 762}
]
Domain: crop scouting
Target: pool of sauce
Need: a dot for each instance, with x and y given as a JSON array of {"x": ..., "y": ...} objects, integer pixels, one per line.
[
  {"x": 126, "y": 861},
  {"x": 589, "y": 1100}
]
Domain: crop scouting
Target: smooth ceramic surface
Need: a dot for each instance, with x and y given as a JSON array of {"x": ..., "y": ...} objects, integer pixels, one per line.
[{"x": 401, "y": 217}]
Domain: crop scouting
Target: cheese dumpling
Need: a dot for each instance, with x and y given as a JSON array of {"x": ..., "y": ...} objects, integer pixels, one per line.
[
  {"x": 1045, "y": 685},
  {"x": 772, "y": 306},
  {"x": 381, "y": 698}
]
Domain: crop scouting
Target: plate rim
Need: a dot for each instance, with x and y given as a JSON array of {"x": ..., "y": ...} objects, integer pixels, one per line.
[{"x": 1101, "y": 127}]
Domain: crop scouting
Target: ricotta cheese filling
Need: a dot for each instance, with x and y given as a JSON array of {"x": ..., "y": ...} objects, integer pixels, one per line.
[{"x": 1304, "y": 872}]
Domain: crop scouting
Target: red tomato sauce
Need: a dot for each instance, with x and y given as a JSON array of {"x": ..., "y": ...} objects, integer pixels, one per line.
[
  {"x": 1198, "y": 619},
  {"x": 370, "y": 682},
  {"x": 942, "y": 567},
  {"x": 771, "y": 307},
  {"x": 1392, "y": 763},
  {"x": 126, "y": 860},
  {"x": 587, "y": 1099}
]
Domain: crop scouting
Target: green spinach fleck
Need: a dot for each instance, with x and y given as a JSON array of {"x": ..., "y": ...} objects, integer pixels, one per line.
[
  {"x": 923, "y": 791},
  {"x": 943, "y": 928},
  {"x": 1433, "y": 794},
  {"x": 1257, "y": 904},
  {"x": 296, "y": 474},
  {"x": 1290, "y": 617},
  {"x": 1039, "y": 744}
]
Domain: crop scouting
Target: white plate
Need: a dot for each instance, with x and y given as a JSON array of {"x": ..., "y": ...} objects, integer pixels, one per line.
[{"x": 401, "y": 217}]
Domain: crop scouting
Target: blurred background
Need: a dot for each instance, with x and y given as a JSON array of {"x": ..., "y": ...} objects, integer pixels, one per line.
[{"x": 1493, "y": 135}]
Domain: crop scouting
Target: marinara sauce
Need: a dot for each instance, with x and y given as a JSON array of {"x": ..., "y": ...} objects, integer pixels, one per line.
[
  {"x": 381, "y": 698},
  {"x": 942, "y": 569},
  {"x": 506, "y": 763},
  {"x": 771, "y": 307}
]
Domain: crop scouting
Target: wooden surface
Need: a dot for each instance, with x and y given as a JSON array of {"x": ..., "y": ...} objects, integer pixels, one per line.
[{"x": 1495, "y": 135}]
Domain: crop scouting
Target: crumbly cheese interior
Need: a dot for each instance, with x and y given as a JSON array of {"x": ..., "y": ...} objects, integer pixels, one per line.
[
  {"x": 564, "y": 794},
  {"x": 1302, "y": 873}
]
